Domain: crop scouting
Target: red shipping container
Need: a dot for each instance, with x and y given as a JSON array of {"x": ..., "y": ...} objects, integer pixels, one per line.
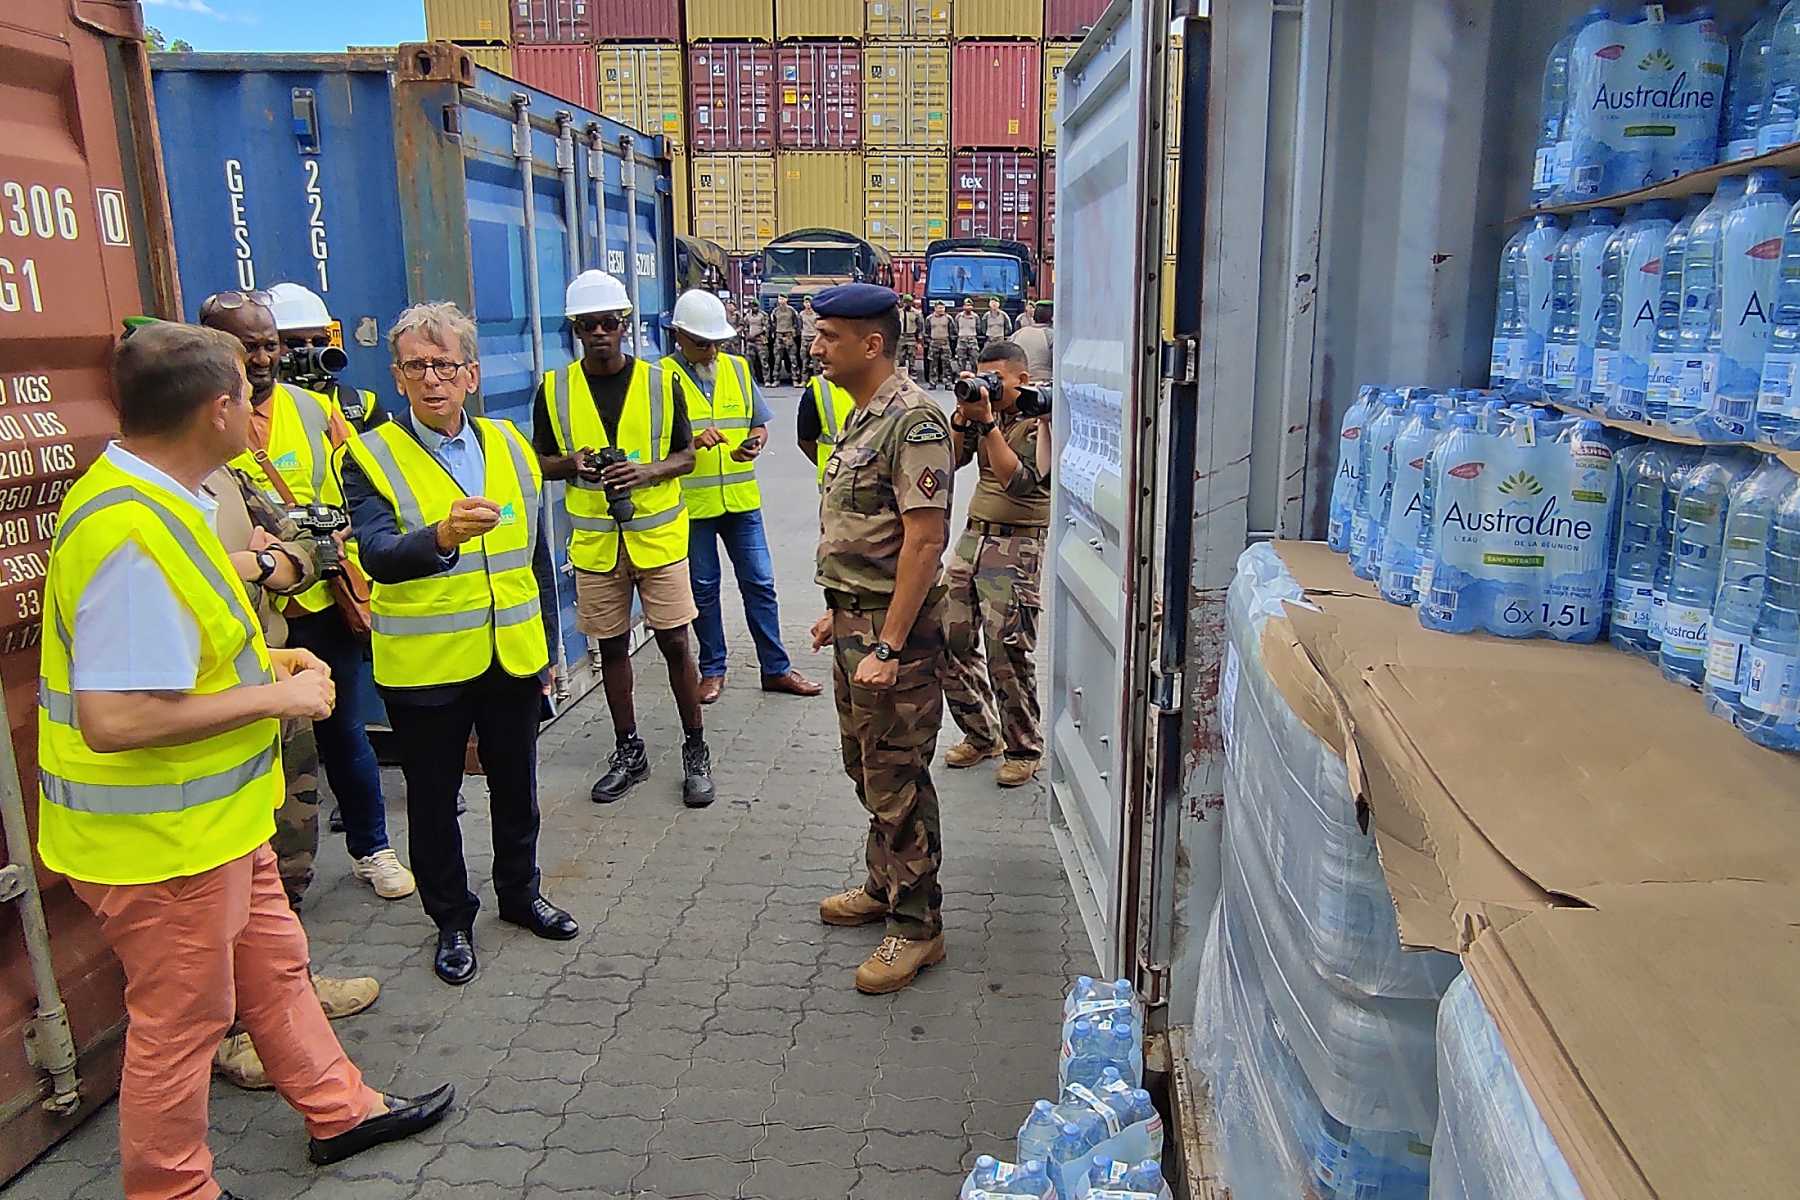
[
  {"x": 635, "y": 20},
  {"x": 746, "y": 277},
  {"x": 731, "y": 92},
  {"x": 909, "y": 277},
  {"x": 566, "y": 72},
  {"x": 996, "y": 91},
  {"x": 1049, "y": 206},
  {"x": 821, "y": 96},
  {"x": 1071, "y": 18},
  {"x": 552, "y": 22},
  {"x": 995, "y": 194}
]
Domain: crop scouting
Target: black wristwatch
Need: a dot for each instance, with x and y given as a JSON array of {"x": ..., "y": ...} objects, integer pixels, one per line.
[
  {"x": 884, "y": 652},
  {"x": 266, "y": 561}
]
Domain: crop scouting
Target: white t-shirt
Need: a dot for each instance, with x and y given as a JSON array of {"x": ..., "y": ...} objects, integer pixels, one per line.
[{"x": 132, "y": 632}]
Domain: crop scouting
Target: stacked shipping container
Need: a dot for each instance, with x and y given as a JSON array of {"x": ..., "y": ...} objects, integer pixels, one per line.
[
  {"x": 478, "y": 26},
  {"x": 731, "y": 91},
  {"x": 821, "y": 96}
]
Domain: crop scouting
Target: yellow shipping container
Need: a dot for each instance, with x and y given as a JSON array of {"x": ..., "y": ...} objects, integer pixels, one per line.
[
  {"x": 494, "y": 58},
  {"x": 907, "y": 199},
  {"x": 731, "y": 20},
  {"x": 466, "y": 20},
  {"x": 819, "y": 188},
  {"x": 906, "y": 95},
  {"x": 1056, "y": 57},
  {"x": 999, "y": 19},
  {"x": 1171, "y": 201},
  {"x": 734, "y": 200},
  {"x": 1173, "y": 114},
  {"x": 1168, "y": 299},
  {"x": 641, "y": 85},
  {"x": 818, "y": 19},
  {"x": 921, "y": 19},
  {"x": 680, "y": 185}
]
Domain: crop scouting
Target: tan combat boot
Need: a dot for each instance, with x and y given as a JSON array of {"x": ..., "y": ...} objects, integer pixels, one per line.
[
  {"x": 854, "y": 907},
  {"x": 896, "y": 963},
  {"x": 342, "y": 998},
  {"x": 966, "y": 754},
  {"x": 1016, "y": 772},
  {"x": 237, "y": 1062}
]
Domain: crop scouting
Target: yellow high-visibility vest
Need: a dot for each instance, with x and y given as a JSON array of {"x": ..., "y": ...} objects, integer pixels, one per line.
[
  {"x": 300, "y": 449},
  {"x": 719, "y": 483},
  {"x": 657, "y": 533},
  {"x": 834, "y": 405},
  {"x": 144, "y": 816},
  {"x": 450, "y": 627}
]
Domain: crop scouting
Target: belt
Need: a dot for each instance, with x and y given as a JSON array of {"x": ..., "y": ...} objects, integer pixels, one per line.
[
  {"x": 838, "y": 601},
  {"x": 995, "y": 529}
]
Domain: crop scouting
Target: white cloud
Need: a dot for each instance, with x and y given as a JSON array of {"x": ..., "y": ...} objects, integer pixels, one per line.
[{"x": 197, "y": 7}]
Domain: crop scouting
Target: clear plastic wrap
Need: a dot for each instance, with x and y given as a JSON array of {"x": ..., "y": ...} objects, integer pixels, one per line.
[{"x": 1492, "y": 1143}]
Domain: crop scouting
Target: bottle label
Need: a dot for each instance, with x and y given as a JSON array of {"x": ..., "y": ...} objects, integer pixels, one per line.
[
  {"x": 1659, "y": 392},
  {"x": 1684, "y": 631},
  {"x": 1775, "y": 134},
  {"x": 1565, "y": 162},
  {"x": 1776, "y": 395},
  {"x": 1724, "y": 651},
  {"x": 1659, "y": 613},
  {"x": 1111, "y": 1003},
  {"x": 1101, "y": 1107},
  {"x": 1559, "y": 365},
  {"x": 1605, "y": 373},
  {"x": 1699, "y": 380},
  {"x": 1543, "y": 169},
  {"x": 1632, "y": 606},
  {"x": 1771, "y": 680}
]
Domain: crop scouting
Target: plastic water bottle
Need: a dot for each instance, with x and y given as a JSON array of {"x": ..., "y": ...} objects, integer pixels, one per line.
[
  {"x": 1643, "y": 545},
  {"x": 1400, "y": 544},
  {"x": 1665, "y": 359},
  {"x": 1750, "y": 240},
  {"x": 1679, "y": 462},
  {"x": 1769, "y": 714},
  {"x": 1778, "y": 399},
  {"x": 1744, "y": 92},
  {"x": 1550, "y": 169},
  {"x": 986, "y": 1174},
  {"x": 1781, "y": 87},
  {"x": 1372, "y": 489},
  {"x": 1143, "y": 1112},
  {"x": 1033, "y": 1181},
  {"x": 1640, "y": 245},
  {"x": 1700, "y": 311},
  {"x": 1092, "y": 996},
  {"x": 1146, "y": 1177},
  {"x": 1038, "y": 1131},
  {"x": 1343, "y": 487},
  {"x": 1098, "y": 1048},
  {"x": 1743, "y": 574},
  {"x": 1694, "y": 576},
  {"x": 1506, "y": 362},
  {"x": 1459, "y": 419},
  {"x": 1575, "y": 304},
  {"x": 1069, "y": 1150},
  {"x": 1532, "y": 287}
]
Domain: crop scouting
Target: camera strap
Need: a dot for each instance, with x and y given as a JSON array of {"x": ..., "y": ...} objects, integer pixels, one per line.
[{"x": 350, "y": 590}]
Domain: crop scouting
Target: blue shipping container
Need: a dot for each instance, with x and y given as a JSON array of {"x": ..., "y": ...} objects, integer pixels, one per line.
[{"x": 379, "y": 184}]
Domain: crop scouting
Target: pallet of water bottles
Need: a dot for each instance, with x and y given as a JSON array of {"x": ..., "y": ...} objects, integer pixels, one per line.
[{"x": 1490, "y": 511}]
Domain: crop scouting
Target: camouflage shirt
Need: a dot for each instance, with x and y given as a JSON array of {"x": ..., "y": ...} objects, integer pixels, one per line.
[
  {"x": 892, "y": 457},
  {"x": 1022, "y": 500},
  {"x": 909, "y": 321},
  {"x": 939, "y": 325},
  {"x": 809, "y": 324},
  {"x": 968, "y": 325},
  {"x": 782, "y": 318},
  {"x": 755, "y": 326}
]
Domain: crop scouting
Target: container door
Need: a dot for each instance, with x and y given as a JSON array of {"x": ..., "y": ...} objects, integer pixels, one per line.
[{"x": 84, "y": 243}]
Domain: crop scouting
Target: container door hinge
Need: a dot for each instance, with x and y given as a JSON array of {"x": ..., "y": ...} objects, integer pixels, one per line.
[
  {"x": 1153, "y": 983},
  {"x": 12, "y": 882},
  {"x": 1165, "y": 690},
  {"x": 50, "y": 1047},
  {"x": 1181, "y": 360},
  {"x": 306, "y": 120}
]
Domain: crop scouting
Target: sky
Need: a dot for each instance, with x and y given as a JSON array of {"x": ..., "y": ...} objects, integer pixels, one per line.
[{"x": 314, "y": 25}]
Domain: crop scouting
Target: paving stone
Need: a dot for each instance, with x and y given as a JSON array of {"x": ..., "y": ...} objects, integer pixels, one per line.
[
  {"x": 734, "y": 1140},
  {"x": 801, "y": 1147},
  {"x": 779, "y": 1181},
  {"x": 874, "y": 1183},
  {"x": 666, "y": 1175},
  {"x": 465, "y": 1166}
]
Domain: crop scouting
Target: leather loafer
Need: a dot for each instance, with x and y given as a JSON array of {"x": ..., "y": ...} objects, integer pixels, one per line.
[
  {"x": 791, "y": 684},
  {"x": 455, "y": 959},
  {"x": 710, "y": 687},
  {"x": 402, "y": 1119},
  {"x": 544, "y": 919}
]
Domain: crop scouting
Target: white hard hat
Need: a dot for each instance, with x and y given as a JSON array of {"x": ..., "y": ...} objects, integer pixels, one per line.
[
  {"x": 702, "y": 315},
  {"x": 595, "y": 292},
  {"x": 296, "y": 307}
]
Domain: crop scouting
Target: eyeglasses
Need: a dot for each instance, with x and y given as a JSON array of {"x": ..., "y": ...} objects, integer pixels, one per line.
[
  {"x": 318, "y": 342},
  {"x": 415, "y": 368},
  {"x": 608, "y": 322},
  {"x": 226, "y": 301}
]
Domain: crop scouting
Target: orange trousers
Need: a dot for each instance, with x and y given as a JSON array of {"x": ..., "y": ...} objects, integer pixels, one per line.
[{"x": 198, "y": 951}]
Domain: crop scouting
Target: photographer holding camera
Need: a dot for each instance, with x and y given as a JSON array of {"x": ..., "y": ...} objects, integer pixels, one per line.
[
  {"x": 1002, "y": 422},
  {"x": 310, "y": 360}
]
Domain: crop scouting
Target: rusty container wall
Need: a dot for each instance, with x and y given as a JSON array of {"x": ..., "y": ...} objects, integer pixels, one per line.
[
  {"x": 819, "y": 189},
  {"x": 819, "y": 19},
  {"x": 731, "y": 95},
  {"x": 998, "y": 19},
  {"x": 996, "y": 95},
  {"x": 731, "y": 20},
  {"x": 1056, "y": 57},
  {"x": 1071, "y": 18},
  {"x": 636, "y": 20},
  {"x": 466, "y": 20},
  {"x": 641, "y": 86},
  {"x": 906, "y": 95},
  {"x": 734, "y": 200},
  {"x": 909, "y": 276},
  {"x": 1049, "y": 209},
  {"x": 566, "y": 72},
  {"x": 552, "y": 22},
  {"x": 906, "y": 199},
  {"x": 78, "y": 142},
  {"x": 995, "y": 194},
  {"x": 920, "y": 20},
  {"x": 820, "y": 96}
]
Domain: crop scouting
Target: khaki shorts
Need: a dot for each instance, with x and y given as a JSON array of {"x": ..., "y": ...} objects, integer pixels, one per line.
[{"x": 603, "y": 602}]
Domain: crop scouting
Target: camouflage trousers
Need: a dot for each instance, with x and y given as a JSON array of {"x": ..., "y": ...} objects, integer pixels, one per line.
[
  {"x": 908, "y": 352},
  {"x": 991, "y": 630},
  {"x": 968, "y": 350},
  {"x": 889, "y": 738},
  {"x": 758, "y": 353},
  {"x": 296, "y": 840},
  {"x": 940, "y": 367},
  {"x": 788, "y": 363}
]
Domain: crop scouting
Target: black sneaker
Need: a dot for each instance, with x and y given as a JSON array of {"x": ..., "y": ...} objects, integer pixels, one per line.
[
  {"x": 628, "y": 767},
  {"x": 696, "y": 770}
]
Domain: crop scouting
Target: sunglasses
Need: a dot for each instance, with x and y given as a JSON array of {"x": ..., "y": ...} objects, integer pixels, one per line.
[
  {"x": 607, "y": 322},
  {"x": 227, "y": 301},
  {"x": 319, "y": 342},
  {"x": 415, "y": 368}
]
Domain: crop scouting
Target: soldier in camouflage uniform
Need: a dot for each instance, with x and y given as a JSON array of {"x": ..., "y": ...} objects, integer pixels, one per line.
[
  {"x": 784, "y": 326},
  {"x": 993, "y": 577},
  {"x": 756, "y": 342},
  {"x": 995, "y": 325},
  {"x": 809, "y": 329},
  {"x": 910, "y": 325},
  {"x": 940, "y": 328},
  {"x": 968, "y": 336},
  {"x": 882, "y": 517}
]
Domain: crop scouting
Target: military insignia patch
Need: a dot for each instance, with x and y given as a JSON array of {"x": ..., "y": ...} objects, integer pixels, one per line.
[
  {"x": 927, "y": 431},
  {"x": 930, "y": 480}
]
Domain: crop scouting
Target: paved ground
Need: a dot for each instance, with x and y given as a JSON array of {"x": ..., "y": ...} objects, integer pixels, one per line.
[{"x": 702, "y": 1038}]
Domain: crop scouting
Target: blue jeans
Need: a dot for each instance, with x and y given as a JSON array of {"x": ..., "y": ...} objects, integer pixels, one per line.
[
  {"x": 344, "y": 749},
  {"x": 742, "y": 534}
]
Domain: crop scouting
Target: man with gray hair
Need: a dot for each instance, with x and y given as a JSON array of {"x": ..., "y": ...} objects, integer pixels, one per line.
[{"x": 445, "y": 507}]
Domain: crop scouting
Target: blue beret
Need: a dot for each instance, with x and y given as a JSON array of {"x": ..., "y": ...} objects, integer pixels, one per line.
[{"x": 856, "y": 301}]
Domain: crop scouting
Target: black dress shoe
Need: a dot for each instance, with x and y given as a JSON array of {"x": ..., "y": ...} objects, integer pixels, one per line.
[
  {"x": 696, "y": 775},
  {"x": 628, "y": 767},
  {"x": 544, "y": 919},
  {"x": 337, "y": 819},
  {"x": 402, "y": 1119},
  {"x": 455, "y": 959}
]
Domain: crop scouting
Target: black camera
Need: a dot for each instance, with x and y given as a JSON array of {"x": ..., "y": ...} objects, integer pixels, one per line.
[
  {"x": 313, "y": 363},
  {"x": 320, "y": 523},
  {"x": 618, "y": 500},
  {"x": 1034, "y": 401},
  {"x": 971, "y": 389}
]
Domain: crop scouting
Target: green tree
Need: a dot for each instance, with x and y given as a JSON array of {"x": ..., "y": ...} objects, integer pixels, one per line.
[
  {"x": 154, "y": 38},
  {"x": 181, "y": 46}
]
